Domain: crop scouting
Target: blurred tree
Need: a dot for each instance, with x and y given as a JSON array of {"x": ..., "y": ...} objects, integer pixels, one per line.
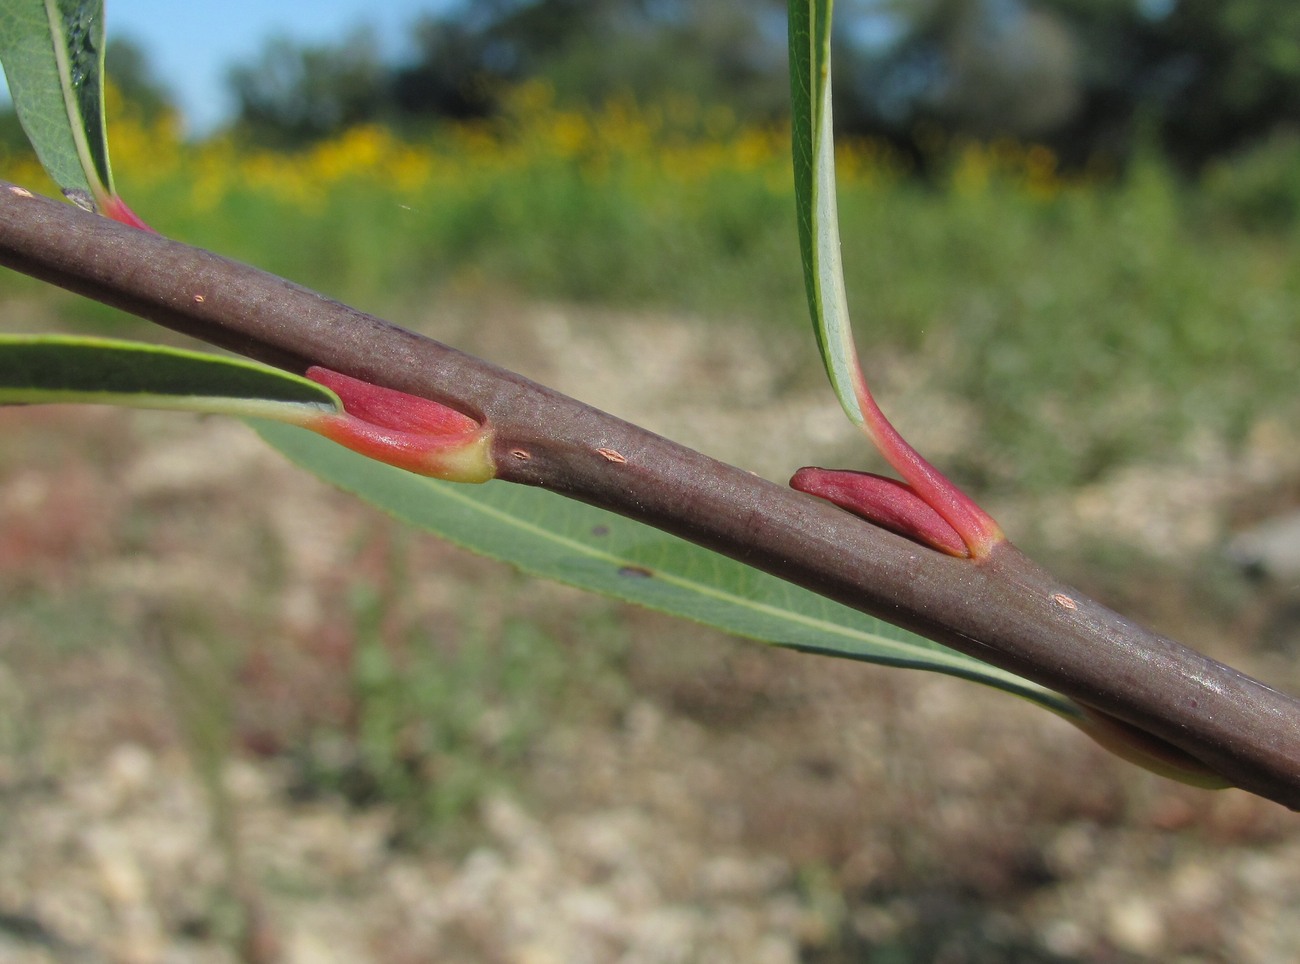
[
  {"x": 978, "y": 67},
  {"x": 725, "y": 52},
  {"x": 591, "y": 49},
  {"x": 1206, "y": 76},
  {"x": 130, "y": 72},
  {"x": 730, "y": 51},
  {"x": 294, "y": 94},
  {"x": 1092, "y": 77},
  {"x": 448, "y": 76}
]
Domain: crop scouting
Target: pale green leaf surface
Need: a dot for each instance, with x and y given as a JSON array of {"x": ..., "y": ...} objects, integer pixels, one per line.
[
  {"x": 547, "y": 535},
  {"x": 813, "y": 150},
  {"x": 53, "y": 56},
  {"x": 43, "y": 369}
]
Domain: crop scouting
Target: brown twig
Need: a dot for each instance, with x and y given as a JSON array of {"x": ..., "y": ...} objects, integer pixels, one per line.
[{"x": 1004, "y": 610}]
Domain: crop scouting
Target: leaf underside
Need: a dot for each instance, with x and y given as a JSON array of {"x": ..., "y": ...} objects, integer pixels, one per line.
[
  {"x": 813, "y": 155},
  {"x": 547, "y": 535},
  {"x": 36, "y": 369},
  {"x": 53, "y": 56}
]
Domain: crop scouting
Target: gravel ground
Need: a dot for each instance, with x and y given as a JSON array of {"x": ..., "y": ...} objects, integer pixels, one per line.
[{"x": 721, "y": 802}]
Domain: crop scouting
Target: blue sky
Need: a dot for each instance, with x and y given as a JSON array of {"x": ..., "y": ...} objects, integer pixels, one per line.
[{"x": 191, "y": 44}]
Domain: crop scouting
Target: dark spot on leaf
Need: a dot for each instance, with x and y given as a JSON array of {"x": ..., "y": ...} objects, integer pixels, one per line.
[
  {"x": 635, "y": 572},
  {"x": 600, "y": 530}
]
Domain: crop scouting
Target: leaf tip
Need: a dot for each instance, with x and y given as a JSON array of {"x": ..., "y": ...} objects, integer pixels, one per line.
[{"x": 1147, "y": 751}]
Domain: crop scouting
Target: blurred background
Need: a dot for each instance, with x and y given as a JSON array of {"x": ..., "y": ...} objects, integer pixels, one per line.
[{"x": 247, "y": 718}]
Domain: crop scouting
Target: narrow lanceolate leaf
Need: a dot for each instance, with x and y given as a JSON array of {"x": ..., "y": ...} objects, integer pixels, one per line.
[
  {"x": 37, "y": 369},
  {"x": 813, "y": 151},
  {"x": 412, "y": 433},
  {"x": 545, "y": 534},
  {"x": 53, "y": 56}
]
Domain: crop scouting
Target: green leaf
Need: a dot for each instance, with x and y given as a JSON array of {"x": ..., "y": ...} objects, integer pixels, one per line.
[
  {"x": 53, "y": 56},
  {"x": 813, "y": 150},
  {"x": 36, "y": 369},
  {"x": 547, "y": 535}
]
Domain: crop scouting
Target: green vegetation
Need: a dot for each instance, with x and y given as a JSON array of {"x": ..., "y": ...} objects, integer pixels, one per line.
[{"x": 442, "y": 716}]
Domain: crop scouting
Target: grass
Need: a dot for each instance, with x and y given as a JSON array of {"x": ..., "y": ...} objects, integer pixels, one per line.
[{"x": 441, "y": 716}]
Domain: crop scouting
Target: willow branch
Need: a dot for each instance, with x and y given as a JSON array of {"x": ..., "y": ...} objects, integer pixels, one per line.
[{"x": 1004, "y": 610}]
